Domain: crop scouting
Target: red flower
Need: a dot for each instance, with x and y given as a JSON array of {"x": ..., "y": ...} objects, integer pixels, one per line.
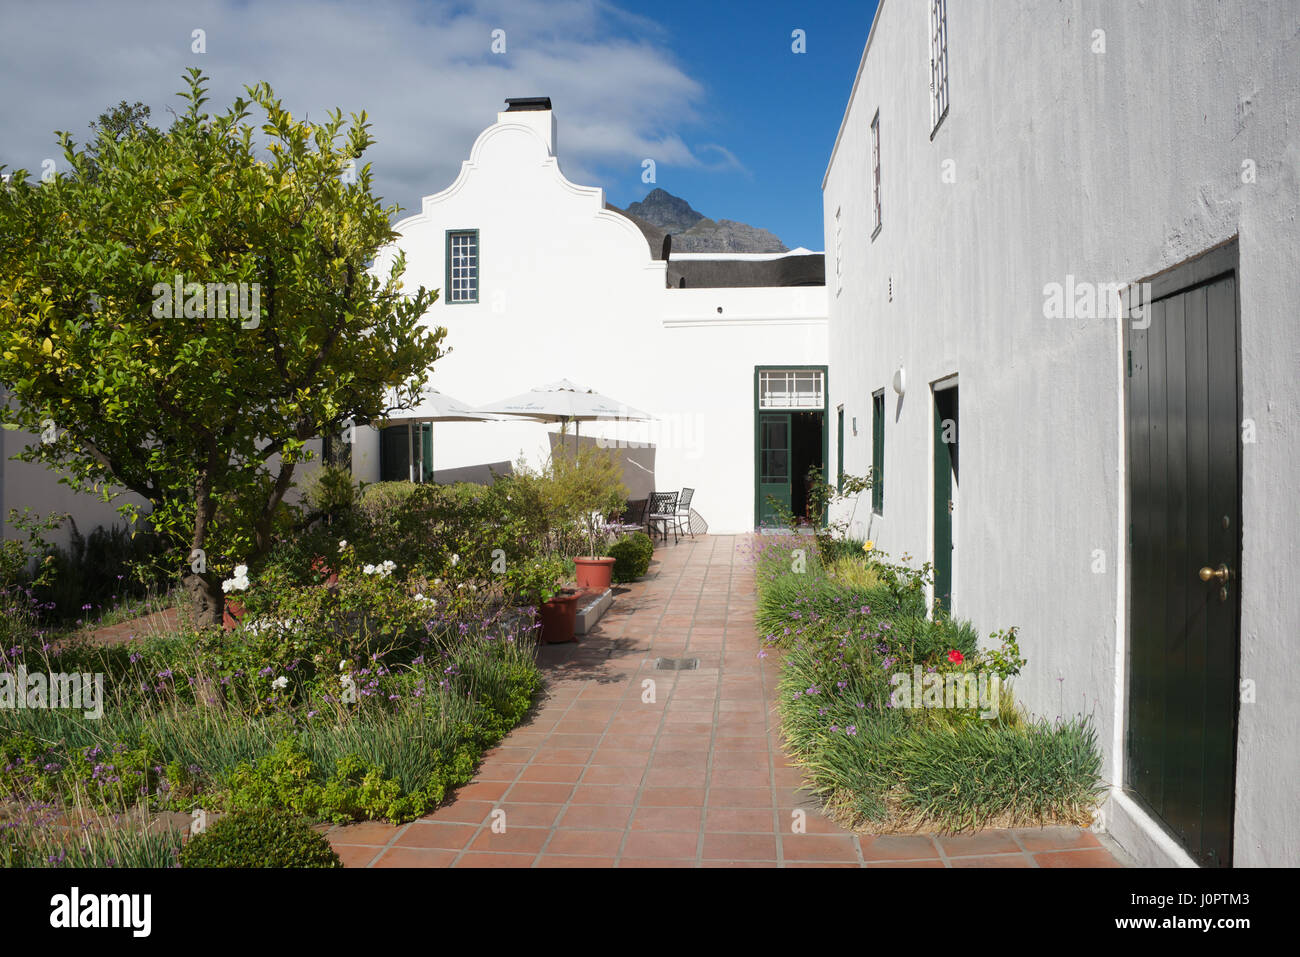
[{"x": 956, "y": 657}]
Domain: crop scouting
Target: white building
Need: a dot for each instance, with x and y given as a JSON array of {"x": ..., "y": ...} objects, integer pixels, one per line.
[
  {"x": 541, "y": 280},
  {"x": 1000, "y": 168}
]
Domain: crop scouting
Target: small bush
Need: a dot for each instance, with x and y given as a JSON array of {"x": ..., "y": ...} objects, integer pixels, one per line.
[
  {"x": 632, "y": 555},
  {"x": 259, "y": 839}
]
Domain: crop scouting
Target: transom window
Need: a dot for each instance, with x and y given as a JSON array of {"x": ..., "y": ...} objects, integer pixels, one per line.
[
  {"x": 791, "y": 389},
  {"x": 462, "y": 265},
  {"x": 938, "y": 62}
]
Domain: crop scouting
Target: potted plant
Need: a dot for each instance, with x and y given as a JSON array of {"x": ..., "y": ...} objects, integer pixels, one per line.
[
  {"x": 540, "y": 583},
  {"x": 590, "y": 485}
]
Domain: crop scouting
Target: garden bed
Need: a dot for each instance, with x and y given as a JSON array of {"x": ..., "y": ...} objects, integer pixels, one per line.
[{"x": 853, "y": 636}]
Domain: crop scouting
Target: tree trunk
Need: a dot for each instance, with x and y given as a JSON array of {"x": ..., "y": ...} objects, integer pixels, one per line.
[{"x": 206, "y": 598}]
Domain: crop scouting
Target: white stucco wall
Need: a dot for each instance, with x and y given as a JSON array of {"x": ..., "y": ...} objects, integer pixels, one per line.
[
  {"x": 568, "y": 289},
  {"x": 1109, "y": 167}
]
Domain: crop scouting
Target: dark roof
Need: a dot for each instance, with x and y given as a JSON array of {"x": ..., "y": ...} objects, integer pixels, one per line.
[
  {"x": 515, "y": 104},
  {"x": 802, "y": 270}
]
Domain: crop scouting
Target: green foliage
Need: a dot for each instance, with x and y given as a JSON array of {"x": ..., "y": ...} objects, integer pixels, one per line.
[
  {"x": 535, "y": 582},
  {"x": 263, "y": 838},
  {"x": 203, "y": 408},
  {"x": 850, "y": 621},
  {"x": 330, "y": 490},
  {"x": 632, "y": 555}
]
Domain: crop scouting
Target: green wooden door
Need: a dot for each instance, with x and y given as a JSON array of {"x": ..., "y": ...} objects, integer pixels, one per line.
[
  {"x": 774, "y": 479},
  {"x": 945, "y": 477},
  {"x": 1185, "y": 507}
]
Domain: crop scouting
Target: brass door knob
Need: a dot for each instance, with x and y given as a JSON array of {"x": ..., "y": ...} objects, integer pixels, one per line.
[{"x": 1221, "y": 574}]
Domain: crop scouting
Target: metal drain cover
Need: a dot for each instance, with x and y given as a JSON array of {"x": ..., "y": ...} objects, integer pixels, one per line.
[{"x": 676, "y": 664}]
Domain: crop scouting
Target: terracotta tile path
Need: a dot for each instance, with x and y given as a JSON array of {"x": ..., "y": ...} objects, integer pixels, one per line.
[{"x": 602, "y": 777}]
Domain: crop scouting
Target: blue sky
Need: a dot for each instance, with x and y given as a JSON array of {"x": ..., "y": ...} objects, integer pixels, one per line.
[
  {"x": 777, "y": 112},
  {"x": 737, "y": 123}
]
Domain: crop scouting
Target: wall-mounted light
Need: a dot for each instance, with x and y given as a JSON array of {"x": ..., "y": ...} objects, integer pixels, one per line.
[{"x": 900, "y": 381}]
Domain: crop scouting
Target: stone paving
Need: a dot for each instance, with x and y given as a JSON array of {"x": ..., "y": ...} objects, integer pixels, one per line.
[{"x": 600, "y": 776}]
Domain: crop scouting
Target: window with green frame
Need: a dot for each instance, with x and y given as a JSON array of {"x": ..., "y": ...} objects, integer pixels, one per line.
[
  {"x": 878, "y": 452},
  {"x": 462, "y": 265}
]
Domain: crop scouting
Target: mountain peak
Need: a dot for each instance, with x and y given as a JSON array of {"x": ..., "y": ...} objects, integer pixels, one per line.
[{"x": 693, "y": 232}]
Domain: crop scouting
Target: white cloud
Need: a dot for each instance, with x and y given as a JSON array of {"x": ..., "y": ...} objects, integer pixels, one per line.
[{"x": 424, "y": 72}]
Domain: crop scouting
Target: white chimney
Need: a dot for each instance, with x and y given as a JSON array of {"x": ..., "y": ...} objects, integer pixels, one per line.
[{"x": 533, "y": 112}]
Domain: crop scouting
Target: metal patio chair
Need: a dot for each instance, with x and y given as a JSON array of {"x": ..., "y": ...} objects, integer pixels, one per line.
[
  {"x": 663, "y": 512},
  {"x": 683, "y": 512}
]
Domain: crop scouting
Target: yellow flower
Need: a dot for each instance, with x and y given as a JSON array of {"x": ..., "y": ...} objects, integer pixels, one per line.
[{"x": 868, "y": 545}]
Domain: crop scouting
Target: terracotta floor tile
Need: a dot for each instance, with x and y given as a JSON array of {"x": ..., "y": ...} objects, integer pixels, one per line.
[
  {"x": 739, "y": 847},
  {"x": 1055, "y": 839},
  {"x": 613, "y": 758},
  {"x": 588, "y": 816},
  {"x": 528, "y": 815},
  {"x": 495, "y": 860},
  {"x": 991, "y": 860},
  {"x": 897, "y": 847},
  {"x": 608, "y": 794},
  {"x": 555, "y": 755},
  {"x": 539, "y": 792},
  {"x": 672, "y": 797},
  {"x": 437, "y": 835},
  {"x": 586, "y": 843},
  {"x": 556, "y": 860},
  {"x": 720, "y": 820},
  {"x": 513, "y": 840},
  {"x": 462, "y": 812},
  {"x": 668, "y": 819},
  {"x": 356, "y": 855},
  {"x": 980, "y": 844},
  {"x": 415, "y": 857},
  {"x": 724, "y": 796},
  {"x": 655, "y": 845},
  {"x": 1095, "y": 857},
  {"x": 552, "y": 773},
  {"x": 613, "y": 774},
  {"x": 367, "y": 832},
  {"x": 818, "y": 847}
]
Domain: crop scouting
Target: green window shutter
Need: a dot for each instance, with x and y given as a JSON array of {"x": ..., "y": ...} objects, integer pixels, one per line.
[{"x": 878, "y": 453}]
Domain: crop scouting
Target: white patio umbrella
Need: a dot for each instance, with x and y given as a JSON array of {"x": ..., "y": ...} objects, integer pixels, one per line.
[
  {"x": 432, "y": 406},
  {"x": 563, "y": 401}
]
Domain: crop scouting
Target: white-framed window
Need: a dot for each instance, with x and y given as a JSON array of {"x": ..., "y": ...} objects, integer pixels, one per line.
[
  {"x": 938, "y": 63},
  {"x": 839, "y": 251},
  {"x": 791, "y": 389},
  {"x": 875, "y": 171},
  {"x": 462, "y": 265}
]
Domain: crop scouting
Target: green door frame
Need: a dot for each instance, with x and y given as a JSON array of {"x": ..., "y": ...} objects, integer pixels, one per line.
[{"x": 825, "y": 410}]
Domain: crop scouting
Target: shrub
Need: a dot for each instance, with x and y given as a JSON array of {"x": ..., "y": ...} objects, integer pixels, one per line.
[
  {"x": 262, "y": 838},
  {"x": 632, "y": 555}
]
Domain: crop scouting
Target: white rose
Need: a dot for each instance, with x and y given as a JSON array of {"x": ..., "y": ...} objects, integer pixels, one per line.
[
  {"x": 343, "y": 543},
  {"x": 280, "y": 683}
]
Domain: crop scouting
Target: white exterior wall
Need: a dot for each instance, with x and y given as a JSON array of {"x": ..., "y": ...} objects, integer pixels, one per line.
[
  {"x": 1108, "y": 167},
  {"x": 568, "y": 289},
  {"x": 33, "y": 486}
]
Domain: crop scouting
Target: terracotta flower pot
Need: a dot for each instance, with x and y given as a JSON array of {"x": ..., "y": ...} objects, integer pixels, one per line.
[
  {"x": 231, "y": 614},
  {"x": 594, "y": 573},
  {"x": 559, "y": 616}
]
